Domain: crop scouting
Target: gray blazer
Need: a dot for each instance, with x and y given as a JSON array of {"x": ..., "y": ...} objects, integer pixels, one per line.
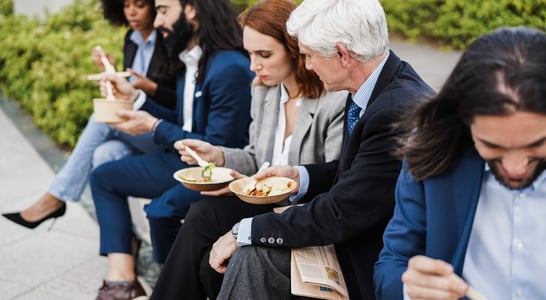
[{"x": 316, "y": 137}]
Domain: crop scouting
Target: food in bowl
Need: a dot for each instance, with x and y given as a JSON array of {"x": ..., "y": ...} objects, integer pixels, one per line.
[
  {"x": 266, "y": 191},
  {"x": 194, "y": 178},
  {"x": 262, "y": 189},
  {"x": 206, "y": 174}
]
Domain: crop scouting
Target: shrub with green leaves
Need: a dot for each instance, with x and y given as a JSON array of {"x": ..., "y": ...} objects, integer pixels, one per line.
[
  {"x": 456, "y": 23},
  {"x": 43, "y": 66},
  {"x": 6, "y": 8}
]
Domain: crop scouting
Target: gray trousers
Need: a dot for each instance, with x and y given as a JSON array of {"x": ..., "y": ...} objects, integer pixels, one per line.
[{"x": 258, "y": 273}]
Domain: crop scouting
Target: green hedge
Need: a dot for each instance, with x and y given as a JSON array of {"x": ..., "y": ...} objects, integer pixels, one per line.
[
  {"x": 455, "y": 23},
  {"x": 43, "y": 64}
]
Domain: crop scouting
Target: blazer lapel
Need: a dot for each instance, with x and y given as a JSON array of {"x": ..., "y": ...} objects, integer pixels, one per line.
[
  {"x": 387, "y": 73},
  {"x": 130, "y": 52},
  {"x": 271, "y": 108},
  {"x": 302, "y": 126},
  {"x": 468, "y": 178},
  {"x": 180, "y": 83}
]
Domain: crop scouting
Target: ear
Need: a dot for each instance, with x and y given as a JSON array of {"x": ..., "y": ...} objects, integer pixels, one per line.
[
  {"x": 190, "y": 12},
  {"x": 344, "y": 55}
]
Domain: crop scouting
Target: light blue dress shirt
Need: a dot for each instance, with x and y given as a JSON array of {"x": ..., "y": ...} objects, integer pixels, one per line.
[
  {"x": 143, "y": 55},
  {"x": 361, "y": 98},
  {"x": 506, "y": 254},
  {"x": 504, "y": 257}
]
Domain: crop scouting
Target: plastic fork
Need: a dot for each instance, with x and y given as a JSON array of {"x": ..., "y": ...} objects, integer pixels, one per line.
[
  {"x": 201, "y": 162},
  {"x": 249, "y": 187}
]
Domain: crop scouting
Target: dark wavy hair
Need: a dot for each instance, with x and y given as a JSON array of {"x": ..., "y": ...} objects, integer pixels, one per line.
[
  {"x": 500, "y": 73},
  {"x": 269, "y": 17},
  {"x": 112, "y": 11},
  {"x": 218, "y": 29}
]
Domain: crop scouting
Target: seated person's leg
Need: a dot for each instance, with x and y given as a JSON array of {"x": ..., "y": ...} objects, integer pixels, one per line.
[
  {"x": 69, "y": 183},
  {"x": 205, "y": 222},
  {"x": 164, "y": 215},
  {"x": 111, "y": 183},
  {"x": 109, "y": 151},
  {"x": 141, "y": 143},
  {"x": 257, "y": 273}
]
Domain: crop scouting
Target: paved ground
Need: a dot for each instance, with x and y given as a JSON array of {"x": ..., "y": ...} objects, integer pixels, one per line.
[{"x": 63, "y": 263}]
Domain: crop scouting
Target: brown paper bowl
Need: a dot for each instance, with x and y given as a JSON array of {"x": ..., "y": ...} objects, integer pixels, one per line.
[
  {"x": 105, "y": 109},
  {"x": 238, "y": 185},
  {"x": 220, "y": 178}
]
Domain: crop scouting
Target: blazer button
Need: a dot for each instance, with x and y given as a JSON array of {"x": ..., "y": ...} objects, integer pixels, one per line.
[
  {"x": 271, "y": 240},
  {"x": 263, "y": 240},
  {"x": 280, "y": 241}
]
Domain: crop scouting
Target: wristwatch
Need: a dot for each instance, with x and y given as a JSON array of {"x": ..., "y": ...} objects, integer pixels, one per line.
[{"x": 235, "y": 230}]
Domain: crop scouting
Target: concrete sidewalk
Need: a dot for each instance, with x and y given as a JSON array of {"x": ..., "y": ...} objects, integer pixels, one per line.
[{"x": 63, "y": 263}]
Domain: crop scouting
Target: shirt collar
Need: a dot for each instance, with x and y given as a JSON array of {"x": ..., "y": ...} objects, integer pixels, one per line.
[
  {"x": 362, "y": 96},
  {"x": 536, "y": 184},
  {"x": 284, "y": 96},
  {"x": 191, "y": 57},
  {"x": 137, "y": 38}
]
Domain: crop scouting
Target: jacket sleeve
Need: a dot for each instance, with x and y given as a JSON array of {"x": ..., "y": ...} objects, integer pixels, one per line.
[
  {"x": 225, "y": 119},
  {"x": 404, "y": 238},
  {"x": 361, "y": 198}
]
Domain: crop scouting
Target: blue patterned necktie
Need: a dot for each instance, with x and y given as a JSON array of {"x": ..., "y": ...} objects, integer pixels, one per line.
[{"x": 353, "y": 114}]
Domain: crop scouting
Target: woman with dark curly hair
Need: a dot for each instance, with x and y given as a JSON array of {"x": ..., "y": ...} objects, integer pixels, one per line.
[{"x": 144, "y": 55}]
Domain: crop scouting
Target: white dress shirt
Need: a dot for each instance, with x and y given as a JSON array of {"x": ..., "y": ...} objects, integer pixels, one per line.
[{"x": 190, "y": 58}]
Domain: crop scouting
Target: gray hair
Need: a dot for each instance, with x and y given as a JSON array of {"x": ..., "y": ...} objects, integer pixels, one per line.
[{"x": 359, "y": 25}]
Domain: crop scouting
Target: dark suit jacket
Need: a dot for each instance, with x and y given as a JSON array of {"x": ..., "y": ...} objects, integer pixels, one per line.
[
  {"x": 221, "y": 105},
  {"x": 353, "y": 198},
  {"x": 433, "y": 217},
  {"x": 166, "y": 85}
]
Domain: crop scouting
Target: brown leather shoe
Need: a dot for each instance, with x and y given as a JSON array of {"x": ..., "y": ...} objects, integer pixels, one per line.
[{"x": 112, "y": 290}]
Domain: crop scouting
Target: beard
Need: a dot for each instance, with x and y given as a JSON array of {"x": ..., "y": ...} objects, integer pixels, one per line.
[
  {"x": 178, "y": 38},
  {"x": 521, "y": 184}
]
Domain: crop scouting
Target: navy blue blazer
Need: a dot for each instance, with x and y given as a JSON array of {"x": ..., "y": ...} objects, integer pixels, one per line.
[
  {"x": 221, "y": 105},
  {"x": 433, "y": 217},
  {"x": 351, "y": 200}
]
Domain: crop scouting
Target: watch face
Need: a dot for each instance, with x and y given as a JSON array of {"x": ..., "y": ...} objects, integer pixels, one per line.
[{"x": 235, "y": 230}]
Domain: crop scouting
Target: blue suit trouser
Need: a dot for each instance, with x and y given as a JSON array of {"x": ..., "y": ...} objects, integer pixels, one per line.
[{"x": 144, "y": 176}]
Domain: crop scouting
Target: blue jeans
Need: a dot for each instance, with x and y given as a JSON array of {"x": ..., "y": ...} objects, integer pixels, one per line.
[{"x": 98, "y": 143}]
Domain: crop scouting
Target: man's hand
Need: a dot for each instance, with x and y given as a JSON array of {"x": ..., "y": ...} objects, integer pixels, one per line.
[
  {"x": 221, "y": 251},
  {"x": 121, "y": 88},
  {"x": 143, "y": 83},
  {"x": 428, "y": 278},
  {"x": 283, "y": 171},
  {"x": 205, "y": 150},
  {"x": 136, "y": 122}
]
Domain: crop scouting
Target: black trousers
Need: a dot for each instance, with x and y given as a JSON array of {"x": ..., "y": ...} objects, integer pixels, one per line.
[{"x": 186, "y": 273}]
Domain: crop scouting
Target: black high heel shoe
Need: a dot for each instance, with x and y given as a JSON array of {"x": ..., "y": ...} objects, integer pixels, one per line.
[{"x": 18, "y": 219}]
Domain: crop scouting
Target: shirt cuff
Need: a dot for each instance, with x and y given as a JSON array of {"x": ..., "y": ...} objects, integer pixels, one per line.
[
  {"x": 139, "y": 101},
  {"x": 244, "y": 237},
  {"x": 406, "y": 297},
  {"x": 304, "y": 184}
]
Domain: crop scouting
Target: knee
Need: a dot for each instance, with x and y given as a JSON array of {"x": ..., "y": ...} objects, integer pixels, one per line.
[
  {"x": 109, "y": 151},
  {"x": 99, "y": 177}
]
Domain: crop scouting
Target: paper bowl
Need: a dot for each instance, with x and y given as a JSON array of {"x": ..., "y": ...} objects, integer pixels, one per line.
[
  {"x": 282, "y": 188},
  {"x": 192, "y": 179},
  {"x": 105, "y": 109}
]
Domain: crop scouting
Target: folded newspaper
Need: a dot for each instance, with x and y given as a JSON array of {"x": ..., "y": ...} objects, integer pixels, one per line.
[{"x": 315, "y": 272}]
